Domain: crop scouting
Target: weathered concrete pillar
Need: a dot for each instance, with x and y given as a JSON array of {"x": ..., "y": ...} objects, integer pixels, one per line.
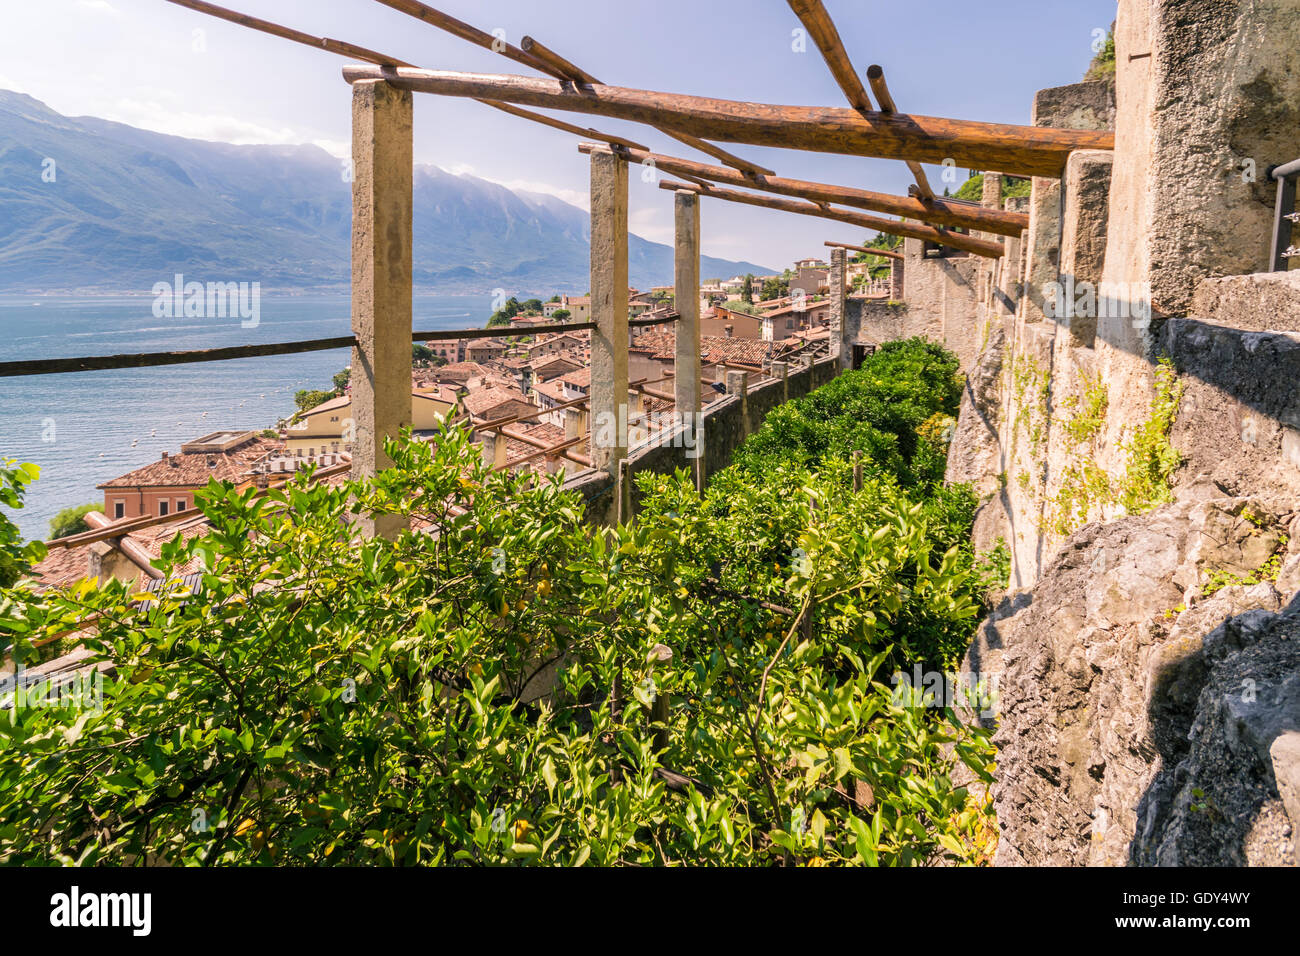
[
  {"x": 686, "y": 290},
  {"x": 738, "y": 385},
  {"x": 840, "y": 348},
  {"x": 896, "y": 280},
  {"x": 105, "y": 562},
  {"x": 1083, "y": 242},
  {"x": 1078, "y": 106},
  {"x": 494, "y": 449},
  {"x": 575, "y": 423},
  {"x": 381, "y": 278},
  {"x": 991, "y": 190},
  {"x": 608, "y": 309},
  {"x": 781, "y": 372},
  {"x": 1006, "y": 296}
]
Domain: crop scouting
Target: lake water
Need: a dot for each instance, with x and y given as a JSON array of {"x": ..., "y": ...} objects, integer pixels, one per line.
[{"x": 80, "y": 427}]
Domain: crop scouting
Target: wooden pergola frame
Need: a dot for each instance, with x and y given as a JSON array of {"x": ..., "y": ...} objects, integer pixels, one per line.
[{"x": 383, "y": 203}]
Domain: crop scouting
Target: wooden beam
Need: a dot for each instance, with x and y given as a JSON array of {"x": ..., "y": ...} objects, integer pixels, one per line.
[
  {"x": 1023, "y": 150},
  {"x": 579, "y": 75},
  {"x": 941, "y": 212},
  {"x": 548, "y": 56},
  {"x": 883, "y": 253},
  {"x": 94, "y": 363},
  {"x": 957, "y": 240},
  {"x": 876, "y": 77},
  {"x": 370, "y": 56},
  {"x": 459, "y": 28},
  {"x": 545, "y": 60},
  {"x": 821, "y": 28},
  {"x": 341, "y": 47},
  {"x": 562, "y": 125}
]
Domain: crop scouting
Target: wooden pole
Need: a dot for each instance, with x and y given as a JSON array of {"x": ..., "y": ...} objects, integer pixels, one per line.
[
  {"x": 555, "y": 61},
  {"x": 382, "y": 209},
  {"x": 459, "y": 28},
  {"x": 821, "y": 28},
  {"x": 1022, "y": 150},
  {"x": 940, "y": 212},
  {"x": 288, "y": 33},
  {"x": 876, "y": 77},
  {"x": 545, "y": 60},
  {"x": 565, "y": 127},
  {"x": 980, "y": 247},
  {"x": 883, "y": 253}
]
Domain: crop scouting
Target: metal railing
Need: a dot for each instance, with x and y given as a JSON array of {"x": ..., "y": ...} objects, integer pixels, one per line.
[{"x": 1285, "y": 215}]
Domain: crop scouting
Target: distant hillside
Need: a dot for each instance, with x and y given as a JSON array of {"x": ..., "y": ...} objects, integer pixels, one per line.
[{"x": 128, "y": 208}]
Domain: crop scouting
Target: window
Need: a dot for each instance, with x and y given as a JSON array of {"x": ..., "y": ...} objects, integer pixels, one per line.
[
  {"x": 162, "y": 506},
  {"x": 119, "y": 509},
  {"x": 180, "y": 504}
]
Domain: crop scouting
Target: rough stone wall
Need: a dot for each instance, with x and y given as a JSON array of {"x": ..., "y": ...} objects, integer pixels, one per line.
[
  {"x": 1144, "y": 718},
  {"x": 1150, "y": 699},
  {"x": 876, "y": 321},
  {"x": 942, "y": 296}
]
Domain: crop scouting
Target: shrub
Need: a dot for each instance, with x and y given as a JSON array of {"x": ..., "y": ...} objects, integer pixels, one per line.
[{"x": 481, "y": 693}]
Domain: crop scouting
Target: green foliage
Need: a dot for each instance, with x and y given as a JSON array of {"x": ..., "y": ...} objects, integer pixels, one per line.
[
  {"x": 16, "y": 557},
  {"x": 308, "y": 398},
  {"x": 973, "y": 188},
  {"x": 1102, "y": 66},
  {"x": 747, "y": 290},
  {"x": 994, "y": 569},
  {"x": 1150, "y": 458},
  {"x": 73, "y": 520},
  {"x": 877, "y": 410},
  {"x": 561, "y": 315},
  {"x": 329, "y": 698},
  {"x": 508, "y": 311},
  {"x": 341, "y": 380},
  {"x": 741, "y": 305},
  {"x": 775, "y": 287}
]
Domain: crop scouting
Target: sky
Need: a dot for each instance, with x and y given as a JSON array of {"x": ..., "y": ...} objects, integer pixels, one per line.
[{"x": 162, "y": 67}]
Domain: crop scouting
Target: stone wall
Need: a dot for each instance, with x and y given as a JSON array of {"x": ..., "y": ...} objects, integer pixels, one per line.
[
  {"x": 941, "y": 296},
  {"x": 1124, "y": 732}
]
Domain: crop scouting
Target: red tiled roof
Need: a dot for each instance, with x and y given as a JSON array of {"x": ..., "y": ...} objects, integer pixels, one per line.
[
  {"x": 480, "y": 401},
  {"x": 192, "y": 469}
]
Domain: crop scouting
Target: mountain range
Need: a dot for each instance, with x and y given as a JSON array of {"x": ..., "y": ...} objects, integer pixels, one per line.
[{"x": 89, "y": 205}]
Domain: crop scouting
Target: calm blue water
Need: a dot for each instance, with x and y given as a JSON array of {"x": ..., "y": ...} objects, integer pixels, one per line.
[{"x": 79, "y": 427}]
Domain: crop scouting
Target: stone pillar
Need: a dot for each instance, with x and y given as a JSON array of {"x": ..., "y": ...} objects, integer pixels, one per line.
[
  {"x": 608, "y": 309},
  {"x": 840, "y": 347},
  {"x": 686, "y": 290},
  {"x": 575, "y": 423},
  {"x": 106, "y": 562},
  {"x": 896, "y": 280},
  {"x": 1083, "y": 241},
  {"x": 738, "y": 385},
  {"x": 381, "y": 278},
  {"x": 781, "y": 372},
  {"x": 494, "y": 449},
  {"x": 1080, "y": 106}
]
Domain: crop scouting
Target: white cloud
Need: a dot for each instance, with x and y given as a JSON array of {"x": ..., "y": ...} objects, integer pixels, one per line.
[
  {"x": 572, "y": 196},
  {"x": 152, "y": 115}
]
